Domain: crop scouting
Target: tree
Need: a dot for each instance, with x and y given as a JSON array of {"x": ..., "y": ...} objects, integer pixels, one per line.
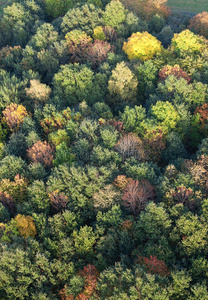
[
  {"x": 105, "y": 198},
  {"x": 199, "y": 24},
  {"x": 154, "y": 144},
  {"x": 14, "y": 115},
  {"x": 130, "y": 145},
  {"x": 133, "y": 117},
  {"x": 41, "y": 152},
  {"x": 146, "y": 9},
  {"x": 16, "y": 189},
  {"x": 78, "y": 42},
  {"x": 26, "y": 226},
  {"x": 187, "y": 43},
  {"x": 44, "y": 37},
  {"x": 153, "y": 265},
  {"x": 58, "y": 201},
  {"x": 10, "y": 166},
  {"x": 165, "y": 114},
  {"x": 58, "y": 8},
  {"x": 142, "y": 45},
  {"x": 137, "y": 194},
  {"x": 97, "y": 52},
  {"x": 84, "y": 241},
  {"x": 38, "y": 92},
  {"x": 84, "y": 17},
  {"x": 175, "y": 70},
  {"x": 75, "y": 83},
  {"x": 122, "y": 84},
  {"x": 115, "y": 14}
]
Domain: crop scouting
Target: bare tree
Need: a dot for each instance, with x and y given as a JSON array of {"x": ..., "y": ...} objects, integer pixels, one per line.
[{"x": 137, "y": 194}]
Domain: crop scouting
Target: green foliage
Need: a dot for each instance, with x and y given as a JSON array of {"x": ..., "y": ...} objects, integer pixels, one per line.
[
  {"x": 115, "y": 14},
  {"x": 63, "y": 155},
  {"x": 75, "y": 83},
  {"x": 187, "y": 42},
  {"x": 85, "y": 17},
  {"x": 165, "y": 114},
  {"x": 12, "y": 165},
  {"x": 84, "y": 241},
  {"x": 58, "y": 8},
  {"x": 122, "y": 85},
  {"x": 133, "y": 117},
  {"x": 38, "y": 197}
]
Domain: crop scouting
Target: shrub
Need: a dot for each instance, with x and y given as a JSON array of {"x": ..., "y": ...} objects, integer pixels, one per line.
[
  {"x": 175, "y": 70},
  {"x": 199, "y": 24},
  {"x": 142, "y": 45},
  {"x": 14, "y": 115},
  {"x": 41, "y": 152},
  {"x": 26, "y": 226},
  {"x": 186, "y": 42},
  {"x": 137, "y": 194}
]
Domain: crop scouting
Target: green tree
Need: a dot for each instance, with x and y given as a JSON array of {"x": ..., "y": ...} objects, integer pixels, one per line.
[
  {"x": 85, "y": 17},
  {"x": 75, "y": 83},
  {"x": 122, "y": 85}
]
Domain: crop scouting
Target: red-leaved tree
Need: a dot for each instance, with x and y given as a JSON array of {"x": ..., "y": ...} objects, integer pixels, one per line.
[
  {"x": 137, "y": 194},
  {"x": 153, "y": 265},
  {"x": 97, "y": 52},
  {"x": 175, "y": 70}
]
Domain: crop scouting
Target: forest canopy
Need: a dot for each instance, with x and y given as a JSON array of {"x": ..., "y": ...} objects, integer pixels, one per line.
[{"x": 103, "y": 151}]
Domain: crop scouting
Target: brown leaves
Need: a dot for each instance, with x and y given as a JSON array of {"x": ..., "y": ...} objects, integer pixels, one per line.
[{"x": 41, "y": 152}]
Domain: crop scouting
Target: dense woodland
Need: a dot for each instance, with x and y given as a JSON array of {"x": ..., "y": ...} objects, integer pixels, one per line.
[{"x": 103, "y": 151}]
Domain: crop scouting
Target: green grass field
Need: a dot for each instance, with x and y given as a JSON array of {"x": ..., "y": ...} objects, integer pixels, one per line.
[{"x": 189, "y": 5}]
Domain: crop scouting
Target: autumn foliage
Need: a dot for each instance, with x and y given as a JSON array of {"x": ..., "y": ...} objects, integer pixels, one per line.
[
  {"x": 187, "y": 43},
  {"x": 142, "y": 45},
  {"x": 26, "y": 226},
  {"x": 58, "y": 201},
  {"x": 90, "y": 276},
  {"x": 173, "y": 70},
  {"x": 41, "y": 152},
  {"x": 130, "y": 145},
  {"x": 153, "y": 265},
  {"x": 14, "y": 115},
  {"x": 203, "y": 112},
  {"x": 146, "y": 9},
  {"x": 199, "y": 24},
  {"x": 137, "y": 194},
  {"x": 154, "y": 144}
]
